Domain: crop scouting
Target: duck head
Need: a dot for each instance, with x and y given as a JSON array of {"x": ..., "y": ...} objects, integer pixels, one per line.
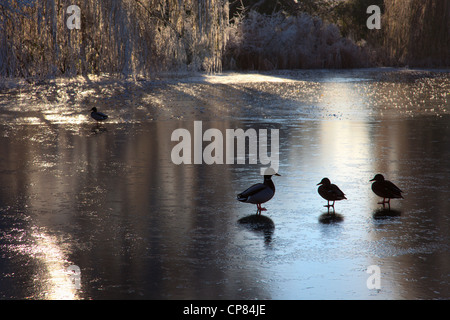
[
  {"x": 94, "y": 109},
  {"x": 325, "y": 181},
  {"x": 269, "y": 176},
  {"x": 269, "y": 172},
  {"x": 378, "y": 177}
]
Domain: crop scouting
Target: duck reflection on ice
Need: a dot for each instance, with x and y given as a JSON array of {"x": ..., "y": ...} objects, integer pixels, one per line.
[
  {"x": 259, "y": 224},
  {"x": 328, "y": 217},
  {"x": 385, "y": 213},
  {"x": 97, "y": 129}
]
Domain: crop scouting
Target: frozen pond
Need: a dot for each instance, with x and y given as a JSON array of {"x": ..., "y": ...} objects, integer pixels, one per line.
[{"x": 111, "y": 201}]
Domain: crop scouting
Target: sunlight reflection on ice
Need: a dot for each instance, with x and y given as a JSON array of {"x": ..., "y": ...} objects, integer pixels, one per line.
[
  {"x": 57, "y": 118},
  {"x": 59, "y": 285},
  {"x": 52, "y": 280},
  {"x": 243, "y": 77}
]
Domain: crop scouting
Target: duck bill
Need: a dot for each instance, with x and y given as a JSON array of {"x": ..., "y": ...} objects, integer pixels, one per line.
[
  {"x": 372, "y": 179},
  {"x": 277, "y": 174},
  {"x": 319, "y": 184}
]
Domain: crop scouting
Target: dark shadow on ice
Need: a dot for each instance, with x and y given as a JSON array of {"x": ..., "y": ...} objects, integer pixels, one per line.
[
  {"x": 259, "y": 224},
  {"x": 385, "y": 213},
  {"x": 330, "y": 217}
]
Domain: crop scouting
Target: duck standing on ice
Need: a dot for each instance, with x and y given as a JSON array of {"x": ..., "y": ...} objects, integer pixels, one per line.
[
  {"x": 259, "y": 193},
  {"x": 98, "y": 116},
  {"x": 330, "y": 192},
  {"x": 385, "y": 189}
]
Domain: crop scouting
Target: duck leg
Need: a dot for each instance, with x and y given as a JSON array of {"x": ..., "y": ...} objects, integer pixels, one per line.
[
  {"x": 259, "y": 208},
  {"x": 328, "y": 206}
]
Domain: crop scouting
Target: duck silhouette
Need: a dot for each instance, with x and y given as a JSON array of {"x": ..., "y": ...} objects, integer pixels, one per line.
[
  {"x": 385, "y": 189},
  {"x": 330, "y": 192},
  {"x": 98, "y": 116},
  {"x": 259, "y": 193}
]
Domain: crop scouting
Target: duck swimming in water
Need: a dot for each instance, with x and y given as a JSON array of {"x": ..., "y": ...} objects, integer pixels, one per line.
[
  {"x": 259, "y": 193},
  {"x": 385, "y": 189},
  {"x": 330, "y": 192},
  {"x": 98, "y": 116}
]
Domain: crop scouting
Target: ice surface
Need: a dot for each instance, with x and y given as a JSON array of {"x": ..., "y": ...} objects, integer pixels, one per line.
[{"x": 110, "y": 200}]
